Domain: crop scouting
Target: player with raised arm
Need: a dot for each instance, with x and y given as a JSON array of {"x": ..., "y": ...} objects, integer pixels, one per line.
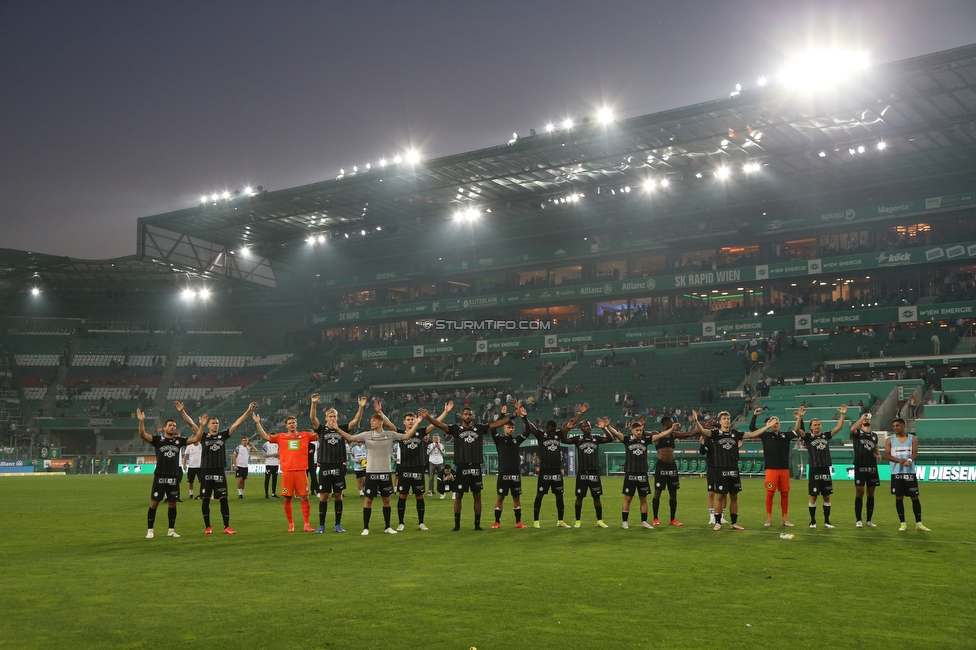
[
  {"x": 818, "y": 445},
  {"x": 635, "y": 468},
  {"x": 331, "y": 459},
  {"x": 665, "y": 469},
  {"x": 867, "y": 454},
  {"x": 379, "y": 448},
  {"x": 725, "y": 443},
  {"x": 214, "y": 465},
  {"x": 239, "y": 463},
  {"x": 901, "y": 450},
  {"x": 551, "y": 464},
  {"x": 469, "y": 454},
  {"x": 588, "y": 469},
  {"x": 293, "y": 452},
  {"x": 166, "y": 477},
  {"x": 776, "y": 454},
  {"x": 509, "y": 468},
  {"x": 412, "y": 468}
]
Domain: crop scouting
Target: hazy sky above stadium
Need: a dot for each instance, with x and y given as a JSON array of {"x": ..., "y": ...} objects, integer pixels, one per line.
[{"x": 114, "y": 110}]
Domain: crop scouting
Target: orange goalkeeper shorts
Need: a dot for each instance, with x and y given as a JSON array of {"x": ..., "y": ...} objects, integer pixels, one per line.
[
  {"x": 777, "y": 479},
  {"x": 294, "y": 484}
]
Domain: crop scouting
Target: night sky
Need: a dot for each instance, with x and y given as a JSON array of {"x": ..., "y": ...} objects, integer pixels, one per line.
[{"x": 112, "y": 111}]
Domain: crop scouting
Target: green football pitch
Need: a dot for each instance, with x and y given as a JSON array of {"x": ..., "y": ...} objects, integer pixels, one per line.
[{"x": 75, "y": 568}]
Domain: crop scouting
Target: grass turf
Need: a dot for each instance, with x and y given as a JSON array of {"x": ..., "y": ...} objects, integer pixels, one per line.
[{"x": 77, "y": 569}]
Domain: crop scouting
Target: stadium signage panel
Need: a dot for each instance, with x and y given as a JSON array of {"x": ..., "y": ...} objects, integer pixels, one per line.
[{"x": 927, "y": 473}]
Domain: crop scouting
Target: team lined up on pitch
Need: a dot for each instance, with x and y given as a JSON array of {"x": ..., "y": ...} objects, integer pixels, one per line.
[{"x": 720, "y": 444}]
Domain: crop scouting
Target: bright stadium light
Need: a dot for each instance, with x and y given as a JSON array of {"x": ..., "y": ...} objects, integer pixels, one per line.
[
  {"x": 762, "y": 81},
  {"x": 822, "y": 154},
  {"x": 203, "y": 199},
  {"x": 188, "y": 294},
  {"x": 226, "y": 195},
  {"x": 605, "y": 115},
  {"x": 751, "y": 167},
  {"x": 567, "y": 124},
  {"x": 413, "y": 157},
  {"x": 35, "y": 291},
  {"x": 814, "y": 70},
  {"x": 362, "y": 232},
  {"x": 397, "y": 159},
  {"x": 321, "y": 239},
  {"x": 664, "y": 182},
  {"x": 860, "y": 148},
  {"x": 550, "y": 127},
  {"x": 382, "y": 162},
  {"x": 214, "y": 197},
  {"x": 204, "y": 294},
  {"x": 649, "y": 185},
  {"x": 722, "y": 173},
  {"x": 347, "y": 235},
  {"x": 881, "y": 146},
  {"x": 248, "y": 190}
]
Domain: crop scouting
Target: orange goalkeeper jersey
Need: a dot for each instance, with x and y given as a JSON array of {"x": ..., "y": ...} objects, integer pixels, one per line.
[{"x": 293, "y": 449}]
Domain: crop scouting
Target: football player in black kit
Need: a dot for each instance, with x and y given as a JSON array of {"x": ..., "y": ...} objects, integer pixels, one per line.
[
  {"x": 866, "y": 458},
  {"x": 213, "y": 464},
  {"x": 725, "y": 449},
  {"x": 331, "y": 458},
  {"x": 666, "y": 470},
  {"x": 551, "y": 464},
  {"x": 635, "y": 467},
  {"x": 509, "y": 469},
  {"x": 469, "y": 454},
  {"x": 818, "y": 445},
  {"x": 588, "y": 468},
  {"x": 166, "y": 477}
]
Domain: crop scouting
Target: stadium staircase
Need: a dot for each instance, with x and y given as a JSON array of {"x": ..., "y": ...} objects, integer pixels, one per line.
[
  {"x": 166, "y": 380},
  {"x": 562, "y": 371}
]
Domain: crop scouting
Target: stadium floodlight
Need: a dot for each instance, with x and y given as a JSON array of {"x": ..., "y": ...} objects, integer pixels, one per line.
[
  {"x": 751, "y": 167},
  {"x": 203, "y": 199},
  {"x": 762, "y": 81},
  {"x": 321, "y": 239},
  {"x": 813, "y": 70},
  {"x": 881, "y": 146},
  {"x": 649, "y": 185},
  {"x": 852, "y": 151},
  {"x": 664, "y": 182},
  {"x": 822, "y": 154},
  {"x": 310, "y": 240},
  {"x": 362, "y": 232},
  {"x": 342, "y": 172},
  {"x": 35, "y": 291},
  {"x": 605, "y": 115},
  {"x": 413, "y": 157},
  {"x": 567, "y": 123},
  {"x": 860, "y": 148},
  {"x": 244, "y": 251},
  {"x": 226, "y": 195},
  {"x": 248, "y": 190},
  {"x": 204, "y": 294},
  {"x": 382, "y": 162},
  {"x": 379, "y": 227},
  {"x": 368, "y": 166},
  {"x": 722, "y": 172},
  {"x": 397, "y": 159},
  {"x": 188, "y": 294},
  {"x": 550, "y": 127},
  {"x": 214, "y": 197},
  {"x": 355, "y": 168},
  {"x": 698, "y": 174}
]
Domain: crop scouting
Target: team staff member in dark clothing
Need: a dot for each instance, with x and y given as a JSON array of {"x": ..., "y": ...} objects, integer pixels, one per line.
[
  {"x": 331, "y": 458},
  {"x": 469, "y": 454},
  {"x": 725, "y": 445},
  {"x": 776, "y": 454},
  {"x": 818, "y": 445},
  {"x": 213, "y": 464},
  {"x": 551, "y": 465},
  {"x": 588, "y": 470},
  {"x": 665, "y": 469},
  {"x": 509, "y": 466},
  {"x": 166, "y": 477},
  {"x": 866, "y": 458},
  {"x": 635, "y": 467}
]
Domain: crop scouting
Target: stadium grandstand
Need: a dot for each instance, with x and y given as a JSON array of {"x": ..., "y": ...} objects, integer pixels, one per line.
[{"x": 772, "y": 248}]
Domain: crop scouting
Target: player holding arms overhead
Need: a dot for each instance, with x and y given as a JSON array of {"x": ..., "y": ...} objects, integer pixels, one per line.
[
  {"x": 666, "y": 470},
  {"x": 213, "y": 463},
  {"x": 166, "y": 477},
  {"x": 866, "y": 457},
  {"x": 776, "y": 453},
  {"x": 331, "y": 459},
  {"x": 293, "y": 453},
  {"x": 509, "y": 469},
  {"x": 635, "y": 468},
  {"x": 587, "y": 468},
  {"x": 551, "y": 464},
  {"x": 818, "y": 445}
]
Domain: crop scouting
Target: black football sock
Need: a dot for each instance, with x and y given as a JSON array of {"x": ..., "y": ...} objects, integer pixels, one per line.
[
  {"x": 205, "y": 508},
  {"x": 917, "y": 509},
  {"x": 674, "y": 508},
  {"x": 900, "y": 509},
  {"x": 599, "y": 510},
  {"x": 225, "y": 512},
  {"x": 367, "y": 513},
  {"x": 457, "y": 521},
  {"x": 477, "y": 522},
  {"x": 387, "y": 511},
  {"x": 267, "y": 479},
  {"x": 323, "y": 510},
  {"x": 421, "y": 510},
  {"x": 625, "y": 515},
  {"x": 826, "y": 510},
  {"x": 498, "y": 515},
  {"x": 643, "y": 517},
  {"x": 858, "y": 508},
  {"x": 537, "y": 506},
  {"x": 518, "y": 514},
  {"x": 171, "y": 513},
  {"x": 560, "y": 506},
  {"x": 579, "y": 511},
  {"x": 401, "y": 509},
  {"x": 870, "y": 505},
  {"x": 656, "y": 505},
  {"x": 151, "y": 518},
  {"x": 813, "y": 514},
  {"x": 338, "y": 512},
  {"x": 734, "y": 516}
]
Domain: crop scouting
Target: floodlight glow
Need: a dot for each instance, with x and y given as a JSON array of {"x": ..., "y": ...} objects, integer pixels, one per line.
[
  {"x": 550, "y": 127},
  {"x": 822, "y": 154},
  {"x": 379, "y": 227},
  {"x": 204, "y": 294},
  {"x": 347, "y": 235},
  {"x": 813, "y": 70},
  {"x": 649, "y": 185},
  {"x": 203, "y": 199},
  {"x": 355, "y": 168},
  {"x": 214, "y": 197},
  {"x": 567, "y": 123},
  {"x": 321, "y": 239},
  {"x": 368, "y": 166},
  {"x": 342, "y": 172},
  {"x": 188, "y": 294},
  {"x": 310, "y": 240},
  {"x": 413, "y": 157},
  {"x": 722, "y": 172},
  {"x": 881, "y": 146},
  {"x": 362, "y": 232},
  {"x": 226, "y": 195},
  {"x": 627, "y": 189},
  {"x": 382, "y": 162},
  {"x": 751, "y": 167},
  {"x": 244, "y": 251},
  {"x": 397, "y": 159},
  {"x": 664, "y": 182},
  {"x": 860, "y": 148},
  {"x": 762, "y": 81},
  {"x": 852, "y": 151},
  {"x": 35, "y": 291},
  {"x": 604, "y": 115},
  {"x": 247, "y": 190}
]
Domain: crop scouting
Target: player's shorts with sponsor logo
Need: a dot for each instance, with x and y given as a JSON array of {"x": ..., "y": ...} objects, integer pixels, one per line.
[
  {"x": 866, "y": 476},
  {"x": 550, "y": 480},
  {"x": 468, "y": 477},
  {"x": 777, "y": 480},
  {"x": 904, "y": 485},
  {"x": 241, "y": 472},
  {"x": 820, "y": 482},
  {"x": 636, "y": 484},
  {"x": 214, "y": 484},
  {"x": 711, "y": 474},
  {"x": 588, "y": 482},
  {"x": 294, "y": 483},
  {"x": 727, "y": 481},
  {"x": 379, "y": 484},
  {"x": 332, "y": 478},
  {"x": 166, "y": 488},
  {"x": 509, "y": 484},
  {"x": 410, "y": 479},
  {"x": 666, "y": 476}
]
